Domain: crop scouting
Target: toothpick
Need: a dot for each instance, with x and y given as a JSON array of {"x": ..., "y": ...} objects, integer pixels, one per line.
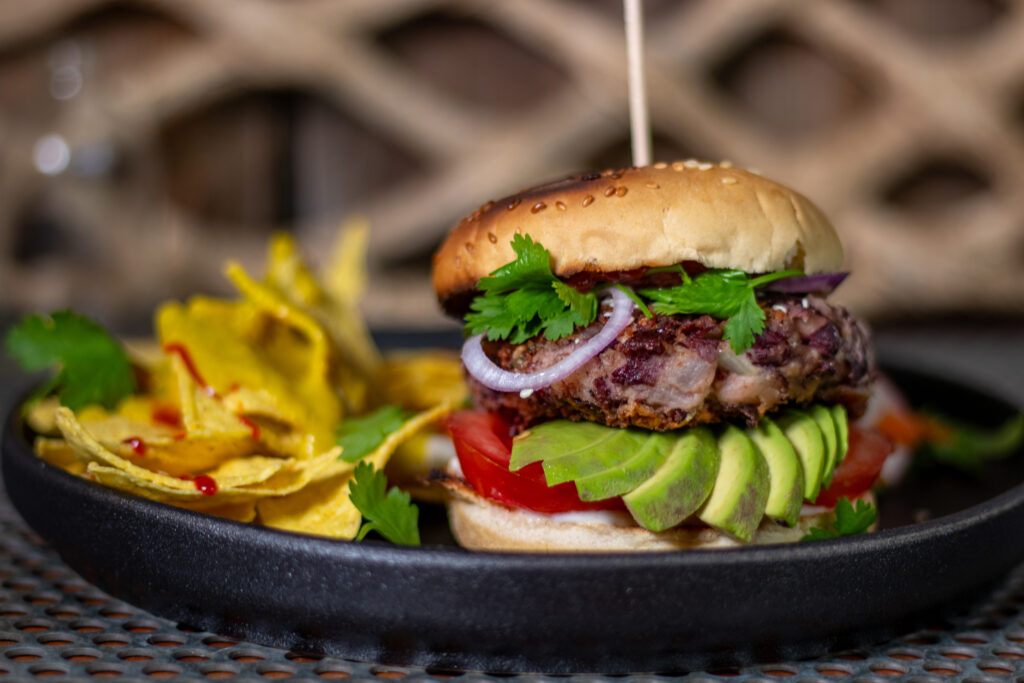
[{"x": 640, "y": 127}]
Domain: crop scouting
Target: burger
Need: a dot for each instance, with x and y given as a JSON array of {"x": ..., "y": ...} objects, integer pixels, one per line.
[{"x": 653, "y": 364}]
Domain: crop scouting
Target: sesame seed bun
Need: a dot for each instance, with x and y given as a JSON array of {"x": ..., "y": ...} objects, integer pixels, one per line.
[{"x": 659, "y": 215}]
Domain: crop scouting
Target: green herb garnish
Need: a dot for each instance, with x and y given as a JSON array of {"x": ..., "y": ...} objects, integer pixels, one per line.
[
  {"x": 358, "y": 436},
  {"x": 969, "y": 448},
  {"x": 721, "y": 294},
  {"x": 524, "y": 298},
  {"x": 91, "y": 366},
  {"x": 848, "y": 521},
  {"x": 390, "y": 513}
]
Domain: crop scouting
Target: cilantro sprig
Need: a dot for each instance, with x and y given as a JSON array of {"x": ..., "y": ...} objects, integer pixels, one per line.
[
  {"x": 523, "y": 298},
  {"x": 390, "y": 513},
  {"x": 968, "y": 447},
  {"x": 358, "y": 436},
  {"x": 723, "y": 294},
  {"x": 90, "y": 366},
  {"x": 849, "y": 521}
]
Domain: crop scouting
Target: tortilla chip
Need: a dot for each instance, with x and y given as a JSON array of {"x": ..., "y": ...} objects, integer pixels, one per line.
[
  {"x": 321, "y": 508},
  {"x": 418, "y": 380},
  {"x": 324, "y": 506},
  {"x": 57, "y": 452}
]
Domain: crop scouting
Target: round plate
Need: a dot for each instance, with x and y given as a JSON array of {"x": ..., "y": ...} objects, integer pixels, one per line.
[{"x": 439, "y": 606}]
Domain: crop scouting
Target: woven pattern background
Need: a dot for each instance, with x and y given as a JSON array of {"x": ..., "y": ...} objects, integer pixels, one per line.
[{"x": 142, "y": 143}]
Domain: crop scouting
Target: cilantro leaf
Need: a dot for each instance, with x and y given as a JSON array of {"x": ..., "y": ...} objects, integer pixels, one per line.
[
  {"x": 849, "y": 521},
  {"x": 968, "y": 447},
  {"x": 636, "y": 300},
  {"x": 723, "y": 294},
  {"x": 389, "y": 513},
  {"x": 91, "y": 366},
  {"x": 523, "y": 298},
  {"x": 532, "y": 266},
  {"x": 361, "y": 435}
]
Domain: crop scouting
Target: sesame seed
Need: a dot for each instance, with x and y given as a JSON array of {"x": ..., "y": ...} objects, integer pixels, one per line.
[
  {"x": 588, "y": 200},
  {"x": 661, "y": 165},
  {"x": 492, "y": 238},
  {"x": 513, "y": 204},
  {"x": 538, "y": 207},
  {"x": 726, "y": 163},
  {"x": 704, "y": 166},
  {"x": 678, "y": 166},
  {"x": 609, "y": 191},
  {"x": 653, "y": 185},
  {"x": 469, "y": 247},
  {"x": 691, "y": 163},
  {"x": 560, "y": 205},
  {"x": 621, "y": 191},
  {"x": 729, "y": 180}
]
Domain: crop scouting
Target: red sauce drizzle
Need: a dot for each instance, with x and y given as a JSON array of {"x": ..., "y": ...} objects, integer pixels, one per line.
[
  {"x": 253, "y": 427},
  {"x": 206, "y": 484},
  {"x": 165, "y": 413},
  {"x": 180, "y": 349},
  {"x": 179, "y": 436},
  {"x": 137, "y": 444}
]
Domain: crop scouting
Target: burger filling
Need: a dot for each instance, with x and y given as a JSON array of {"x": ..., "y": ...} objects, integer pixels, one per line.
[
  {"x": 677, "y": 392},
  {"x": 672, "y": 371}
]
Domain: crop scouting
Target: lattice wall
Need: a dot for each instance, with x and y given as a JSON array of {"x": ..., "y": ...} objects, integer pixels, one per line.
[{"x": 193, "y": 128}]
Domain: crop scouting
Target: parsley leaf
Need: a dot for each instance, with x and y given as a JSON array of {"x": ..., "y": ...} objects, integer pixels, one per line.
[
  {"x": 523, "y": 298},
  {"x": 848, "y": 521},
  {"x": 92, "y": 367},
  {"x": 390, "y": 514},
  {"x": 722, "y": 294},
  {"x": 360, "y": 435}
]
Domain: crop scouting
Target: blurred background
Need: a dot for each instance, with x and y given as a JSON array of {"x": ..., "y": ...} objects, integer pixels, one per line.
[{"x": 144, "y": 142}]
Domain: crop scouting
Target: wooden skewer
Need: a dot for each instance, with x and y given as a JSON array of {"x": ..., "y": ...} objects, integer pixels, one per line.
[{"x": 640, "y": 128}]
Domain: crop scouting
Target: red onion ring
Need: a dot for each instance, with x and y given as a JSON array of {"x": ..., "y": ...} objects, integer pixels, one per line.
[
  {"x": 822, "y": 283},
  {"x": 490, "y": 375}
]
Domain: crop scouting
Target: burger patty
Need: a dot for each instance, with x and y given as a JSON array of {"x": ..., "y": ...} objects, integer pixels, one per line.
[{"x": 671, "y": 371}]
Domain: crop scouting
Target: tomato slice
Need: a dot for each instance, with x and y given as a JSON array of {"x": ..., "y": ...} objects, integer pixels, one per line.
[
  {"x": 483, "y": 443},
  {"x": 859, "y": 469}
]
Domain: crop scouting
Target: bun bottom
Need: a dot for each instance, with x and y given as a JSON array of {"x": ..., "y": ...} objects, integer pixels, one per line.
[{"x": 480, "y": 524}]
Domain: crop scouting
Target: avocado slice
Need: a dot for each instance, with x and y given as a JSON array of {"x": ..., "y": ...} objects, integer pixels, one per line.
[
  {"x": 842, "y": 431},
  {"x": 827, "y": 425},
  {"x": 572, "y": 450},
  {"x": 737, "y": 501},
  {"x": 680, "y": 485},
  {"x": 620, "y": 479},
  {"x": 785, "y": 473},
  {"x": 803, "y": 432}
]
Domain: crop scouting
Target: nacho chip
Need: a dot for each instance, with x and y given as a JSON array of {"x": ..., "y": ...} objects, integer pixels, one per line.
[
  {"x": 171, "y": 490},
  {"x": 324, "y": 506},
  {"x": 225, "y": 345},
  {"x": 57, "y": 452},
  {"x": 321, "y": 508},
  {"x": 40, "y": 416},
  {"x": 418, "y": 380}
]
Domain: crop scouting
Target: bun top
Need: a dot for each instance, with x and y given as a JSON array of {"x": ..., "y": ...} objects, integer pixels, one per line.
[{"x": 660, "y": 215}]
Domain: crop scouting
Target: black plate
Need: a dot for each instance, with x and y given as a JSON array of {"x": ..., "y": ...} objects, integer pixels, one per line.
[{"x": 439, "y": 606}]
